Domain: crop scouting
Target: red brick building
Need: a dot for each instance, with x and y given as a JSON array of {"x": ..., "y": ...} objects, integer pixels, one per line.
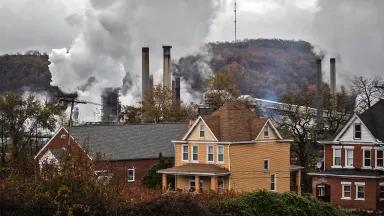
[
  {"x": 353, "y": 171},
  {"x": 127, "y": 151}
]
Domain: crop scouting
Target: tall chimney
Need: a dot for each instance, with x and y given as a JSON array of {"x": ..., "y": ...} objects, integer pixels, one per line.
[
  {"x": 333, "y": 77},
  {"x": 150, "y": 85},
  {"x": 177, "y": 93},
  {"x": 167, "y": 76},
  {"x": 319, "y": 91},
  {"x": 145, "y": 86}
]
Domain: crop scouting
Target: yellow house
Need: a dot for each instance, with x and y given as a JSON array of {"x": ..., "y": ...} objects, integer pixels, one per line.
[{"x": 232, "y": 149}]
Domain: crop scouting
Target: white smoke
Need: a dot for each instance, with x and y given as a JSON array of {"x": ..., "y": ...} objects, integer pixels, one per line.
[{"x": 109, "y": 46}]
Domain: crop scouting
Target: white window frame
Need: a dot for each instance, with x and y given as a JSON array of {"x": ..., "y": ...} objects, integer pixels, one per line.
[
  {"x": 266, "y": 160},
  {"x": 182, "y": 152},
  {"x": 354, "y": 131},
  {"x": 321, "y": 189},
  {"x": 218, "y": 147},
  {"x": 348, "y": 148},
  {"x": 213, "y": 154},
  {"x": 364, "y": 149},
  {"x": 381, "y": 184},
  {"x": 343, "y": 190},
  {"x": 194, "y": 153},
  {"x": 201, "y": 129},
  {"x": 376, "y": 150},
  {"x": 274, "y": 182},
  {"x": 266, "y": 129},
  {"x": 133, "y": 174},
  {"x": 333, "y": 156},
  {"x": 359, "y": 184}
]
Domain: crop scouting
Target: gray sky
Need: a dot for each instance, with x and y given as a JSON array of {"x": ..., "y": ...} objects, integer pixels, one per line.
[{"x": 104, "y": 38}]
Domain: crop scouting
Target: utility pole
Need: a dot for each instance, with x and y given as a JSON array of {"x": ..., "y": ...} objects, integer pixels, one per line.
[
  {"x": 235, "y": 21},
  {"x": 72, "y": 101}
]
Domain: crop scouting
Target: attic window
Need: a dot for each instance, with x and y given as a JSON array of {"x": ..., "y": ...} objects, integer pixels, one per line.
[
  {"x": 357, "y": 131},
  {"x": 202, "y": 131},
  {"x": 266, "y": 131},
  {"x": 63, "y": 136}
]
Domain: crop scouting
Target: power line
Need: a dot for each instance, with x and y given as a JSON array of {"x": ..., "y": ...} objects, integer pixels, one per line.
[{"x": 235, "y": 21}]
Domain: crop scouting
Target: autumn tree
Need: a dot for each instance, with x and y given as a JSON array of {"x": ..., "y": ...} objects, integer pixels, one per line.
[{"x": 367, "y": 91}]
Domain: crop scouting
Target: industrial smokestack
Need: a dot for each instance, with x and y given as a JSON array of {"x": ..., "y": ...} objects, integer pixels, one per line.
[
  {"x": 167, "y": 76},
  {"x": 333, "y": 77},
  {"x": 177, "y": 93},
  {"x": 145, "y": 86},
  {"x": 319, "y": 91}
]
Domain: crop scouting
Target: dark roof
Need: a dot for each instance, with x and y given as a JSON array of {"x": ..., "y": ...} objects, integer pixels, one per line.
[
  {"x": 351, "y": 172},
  {"x": 129, "y": 141},
  {"x": 196, "y": 168},
  {"x": 234, "y": 122},
  {"x": 373, "y": 118}
]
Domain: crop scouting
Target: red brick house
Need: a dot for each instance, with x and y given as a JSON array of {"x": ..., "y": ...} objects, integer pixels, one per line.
[
  {"x": 353, "y": 171},
  {"x": 128, "y": 151}
]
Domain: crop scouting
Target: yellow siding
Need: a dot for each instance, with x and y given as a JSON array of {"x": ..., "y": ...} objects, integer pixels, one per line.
[
  {"x": 271, "y": 133},
  {"x": 247, "y": 173},
  {"x": 195, "y": 133}
]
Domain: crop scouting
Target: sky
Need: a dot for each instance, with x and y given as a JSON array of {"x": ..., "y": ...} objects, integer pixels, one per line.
[{"x": 101, "y": 40}]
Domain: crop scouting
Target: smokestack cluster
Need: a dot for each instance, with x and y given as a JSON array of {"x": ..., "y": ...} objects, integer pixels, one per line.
[
  {"x": 145, "y": 86},
  {"x": 167, "y": 75},
  {"x": 177, "y": 93}
]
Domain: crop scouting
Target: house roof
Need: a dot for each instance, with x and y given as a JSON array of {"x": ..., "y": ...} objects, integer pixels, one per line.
[
  {"x": 196, "y": 169},
  {"x": 352, "y": 173},
  {"x": 234, "y": 122},
  {"x": 373, "y": 119},
  {"x": 129, "y": 141}
]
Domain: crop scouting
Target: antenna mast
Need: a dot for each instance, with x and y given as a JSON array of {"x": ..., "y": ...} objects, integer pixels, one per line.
[{"x": 235, "y": 21}]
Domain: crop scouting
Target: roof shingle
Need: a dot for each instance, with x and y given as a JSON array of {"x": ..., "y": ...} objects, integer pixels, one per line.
[{"x": 373, "y": 118}]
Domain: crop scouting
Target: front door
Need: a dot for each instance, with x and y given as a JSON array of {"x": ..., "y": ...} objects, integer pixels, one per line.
[{"x": 323, "y": 192}]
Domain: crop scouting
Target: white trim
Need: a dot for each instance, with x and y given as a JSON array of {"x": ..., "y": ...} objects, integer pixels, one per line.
[
  {"x": 192, "y": 153},
  {"x": 379, "y": 149},
  {"x": 366, "y": 147},
  {"x": 370, "y": 158},
  {"x": 273, "y": 128},
  {"x": 337, "y": 147},
  {"x": 229, "y": 143},
  {"x": 381, "y": 183},
  {"x": 194, "y": 125},
  {"x": 194, "y": 173},
  {"x": 354, "y": 131},
  {"x": 345, "y": 176},
  {"x": 213, "y": 154},
  {"x": 266, "y": 129},
  {"x": 182, "y": 152},
  {"x": 275, "y": 181},
  {"x": 359, "y": 184},
  {"x": 133, "y": 175},
  {"x": 49, "y": 141},
  {"x": 355, "y": 116},
  {"x": 218, "y": 161},
  {"x": 342, "y": 190},
  {"x": 348, "y": 148},
  {"x": 264, "y": 164},
  {"x": 333, "y": 157}
]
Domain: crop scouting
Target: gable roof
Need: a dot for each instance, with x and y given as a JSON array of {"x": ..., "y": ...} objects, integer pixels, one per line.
[
  {"x": 373, "y": 119},
  {"x": 234, "y": 121},
  {"x": 129, "y": 141}
]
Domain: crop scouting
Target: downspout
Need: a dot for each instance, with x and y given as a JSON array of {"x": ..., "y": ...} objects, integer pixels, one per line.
[{"x": 229, "y": 166}]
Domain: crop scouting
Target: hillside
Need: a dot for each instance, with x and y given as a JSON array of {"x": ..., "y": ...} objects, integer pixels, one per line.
[
  {"x": 29, "y": 71},
  {"x": 261, "y": 68}
]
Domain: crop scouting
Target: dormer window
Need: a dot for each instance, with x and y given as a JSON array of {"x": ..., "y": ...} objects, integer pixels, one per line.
[
  {"x": 266, "y": 131},
  {"x": 357, "y": 131},
  {"x": 202, "y": 131}
]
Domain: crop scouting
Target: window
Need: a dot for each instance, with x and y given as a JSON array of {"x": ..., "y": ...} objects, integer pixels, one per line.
[
  {"x": 360, "y": 190},
  {"x": 349, "y": 157},
  {"x": 337, "y": 156},
  {"x": 220, "y": 153},
  {"x": 367, "y": 158},
  {"x": 382, "y": 191},
  {"x": 220, "y": 184},
  {"x": 320, "y": 190},
  {"x": 202, "y": 131},
  {"x": 273, "y": 182},
  {"x": 131, "y": 174},
  {"x": 266, "y": 164},
  {"x": 357, "y": 131},
  {"x": 185, "y": 153},
  {"x": 195, "y": 152},
  {"x": 379, "y": 158},
  {"x": 210, "y": 153},
  {"x": 345, "y": 190},
  {"x": 266, "y": 131}
]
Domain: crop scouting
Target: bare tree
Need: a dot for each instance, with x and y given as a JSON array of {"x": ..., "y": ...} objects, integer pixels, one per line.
[{"x": 367, "y": 91}]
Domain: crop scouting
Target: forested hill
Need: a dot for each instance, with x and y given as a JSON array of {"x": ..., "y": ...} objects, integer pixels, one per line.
[
  {"x": 29, "y": 71},
  {"x": 261, "y": 67}
]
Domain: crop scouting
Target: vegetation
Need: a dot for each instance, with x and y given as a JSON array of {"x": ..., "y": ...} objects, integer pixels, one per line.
[
  {"x": 153, "y": 179},
  {"x": 367, "y": 91}
]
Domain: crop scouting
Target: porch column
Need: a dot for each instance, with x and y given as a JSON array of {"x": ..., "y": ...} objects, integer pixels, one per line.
[
  {"x": 298, "y": 182},
  {"x": 197, "y": 184},
  {"x": 214, "y": 183},
  {"x": 164, "y": 182}
]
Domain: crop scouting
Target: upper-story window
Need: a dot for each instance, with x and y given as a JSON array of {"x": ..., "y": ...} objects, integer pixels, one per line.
[
  {"x": 367, "y": 158},
  {"x": 195, "y": 153},
  {"x": 266, "y": 131},
  {"x": 210, "y": 153},
  {"x": 273, "y": 182},
  {"x": 379, "y": 158},
  {"x": 266, "y": 164},
  {"x": 220, "y": 153},
  {"x": 184, "y": 156},
  {"x": 349, "y": 157},
  {"x": 337, "y": 156},
  {"x": 131, "y": 174},
  {"x": 357, "y": 131},
  {"x": 202, "y": 131}
]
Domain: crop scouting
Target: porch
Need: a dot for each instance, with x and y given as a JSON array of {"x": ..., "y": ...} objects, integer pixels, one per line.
[{"x": 197, "y": 177}]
